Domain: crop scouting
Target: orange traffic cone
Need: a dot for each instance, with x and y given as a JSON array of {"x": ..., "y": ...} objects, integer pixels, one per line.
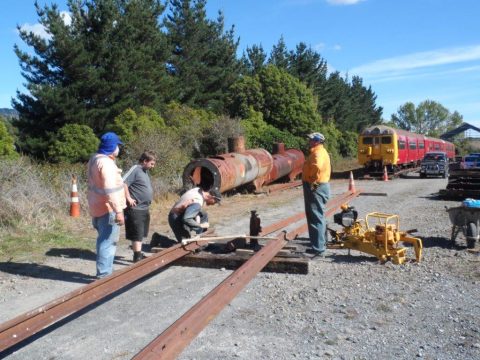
[
  {"x": 351, "y": 183},
  {"x": 385, "y": 174},
  {"x": 74, "y": 203}
]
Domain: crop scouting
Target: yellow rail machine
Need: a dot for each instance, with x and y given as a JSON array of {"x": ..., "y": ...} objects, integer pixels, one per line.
[{"x": 378, "y": 235}]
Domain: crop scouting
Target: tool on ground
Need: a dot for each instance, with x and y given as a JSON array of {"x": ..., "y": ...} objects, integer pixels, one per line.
[
  {"x": 74, "y": 202},
  {"x": 378, "y": 235},
  {"x": 227, "y": 237}
]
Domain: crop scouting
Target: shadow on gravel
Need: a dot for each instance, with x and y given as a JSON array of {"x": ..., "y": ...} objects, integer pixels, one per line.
[
  {"x": 437, "y": 241},
  {"x": 345, "y": 258},
  {"x": 72, "y": 253},
  {"x": 434, "y": 197},
  {"x": 357, "y": 173},
  {"x": 44, "y": 272},
  {"x": 75, "y": 315},
  {"x": 410, "y": 176}
]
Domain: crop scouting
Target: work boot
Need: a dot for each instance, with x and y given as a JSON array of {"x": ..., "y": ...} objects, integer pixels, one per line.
[{"x": 137, "y": 256}]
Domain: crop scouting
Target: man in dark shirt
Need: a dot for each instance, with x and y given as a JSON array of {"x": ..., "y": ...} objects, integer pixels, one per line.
[{"x": 139, "y": 194}]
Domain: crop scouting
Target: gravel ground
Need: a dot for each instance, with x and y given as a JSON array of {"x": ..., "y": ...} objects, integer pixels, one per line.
[{"x": 347, "y": 307}]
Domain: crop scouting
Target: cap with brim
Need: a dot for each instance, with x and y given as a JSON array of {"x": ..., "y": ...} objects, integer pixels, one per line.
[
  {"x": 216, "y": 195},
  {"x": 316, "y": 137},
  {"x": 108, "y": 143}
]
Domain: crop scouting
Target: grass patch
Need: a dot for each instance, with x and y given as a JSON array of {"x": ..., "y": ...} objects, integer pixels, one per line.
[{"x": 32, "y": 244}]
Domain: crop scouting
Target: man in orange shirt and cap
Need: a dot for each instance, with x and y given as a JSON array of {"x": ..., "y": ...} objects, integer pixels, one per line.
[{"x": 316, "y": 191}]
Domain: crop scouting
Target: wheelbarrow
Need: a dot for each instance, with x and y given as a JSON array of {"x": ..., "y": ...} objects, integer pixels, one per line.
[{"x": 467, "y": 220}]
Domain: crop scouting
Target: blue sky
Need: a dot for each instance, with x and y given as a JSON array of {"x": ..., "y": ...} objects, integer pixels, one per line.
[{"x": 406, "y": 50}]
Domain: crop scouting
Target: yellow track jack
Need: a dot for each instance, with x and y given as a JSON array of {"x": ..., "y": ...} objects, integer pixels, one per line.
[{"x": 378, "y": 235}]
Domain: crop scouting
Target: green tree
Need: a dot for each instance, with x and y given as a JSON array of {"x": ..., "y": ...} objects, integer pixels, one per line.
[
  {"x": 191, "y": 125},
  {"x": 259, "y": 134},
  {"x": 129, "y": 123},
  {"x": 364, "y": 111},
  {"x": 307, "y": 65},
  {"x": 254, "y": 60},
  {"x": 429, "y": 117},
  {"x": 73, "y": 143},
  {"x": 109, "y": 58},
  {"x": 285, "y": 102},
  {"x": 7, "y": 146},
  {"x": 203, "y": 62},
  {"x": 279, "y": 55}
]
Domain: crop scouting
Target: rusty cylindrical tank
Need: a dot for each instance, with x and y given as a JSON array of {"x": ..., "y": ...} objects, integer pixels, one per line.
[
  {"x": 286, "y": 163},
  {"x": 241, "y": 167}
]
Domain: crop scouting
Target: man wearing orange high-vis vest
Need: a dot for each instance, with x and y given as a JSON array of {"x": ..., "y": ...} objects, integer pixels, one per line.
[
  {"x": 316, "y": 191},
  {"x": 106, "y": 200}
]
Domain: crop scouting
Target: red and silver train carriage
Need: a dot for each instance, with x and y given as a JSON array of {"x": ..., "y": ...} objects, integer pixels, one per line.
[{"x": 382, "y": 146}]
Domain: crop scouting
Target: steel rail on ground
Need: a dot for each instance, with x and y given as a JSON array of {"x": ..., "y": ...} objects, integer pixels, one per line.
[
  {"x": 23, "y": 326},
  {"x": 333, "y": 203},
  {"x": 30, "y": 323},
  {"x": 169, "y": 344}
]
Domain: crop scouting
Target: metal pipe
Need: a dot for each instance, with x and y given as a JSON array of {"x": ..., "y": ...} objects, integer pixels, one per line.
[{"x": 256, "y": 167}]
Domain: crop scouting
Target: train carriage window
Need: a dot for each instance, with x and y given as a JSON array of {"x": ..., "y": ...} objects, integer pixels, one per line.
[
  {"x": 421, "y": 145},
  {"x": 413, "y": 145},
  {"x": 386, "y": 140},
  {"x": 401, "y": 144},
  {"x": 367, "y": 140},
  {"x": 376, "y": 140},
  {"x": 437, "y": 146}
]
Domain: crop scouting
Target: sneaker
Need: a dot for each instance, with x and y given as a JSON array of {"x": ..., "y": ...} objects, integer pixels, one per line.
[{"x": 138, "y": 257}]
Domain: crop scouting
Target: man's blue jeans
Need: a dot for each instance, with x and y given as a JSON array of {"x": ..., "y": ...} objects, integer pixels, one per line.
[
  {"x": 108, "y": 235},
  {"x": 315, "y": 203}
]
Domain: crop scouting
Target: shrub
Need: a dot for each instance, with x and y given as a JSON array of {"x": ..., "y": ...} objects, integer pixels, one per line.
[
  {"x": 259, "y": 134},
  {"x": 129, "y": 123},
  {"x": 73, "y": 143},
  {"x": 7, "y": 147},
  {"x": 190, "y": 125},
  {"x": 215, "y": 138},
  {"x": 171, "y": 158},
  {"x": 25, "y": 197}
]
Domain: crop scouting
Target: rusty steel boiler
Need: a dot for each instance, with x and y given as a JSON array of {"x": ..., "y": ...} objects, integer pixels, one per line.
[
  {"x": 255, "y": 167},
  {"x": 286, "y": 163}
]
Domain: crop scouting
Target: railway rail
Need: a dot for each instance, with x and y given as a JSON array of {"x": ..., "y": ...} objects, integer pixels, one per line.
[{"x": 173, "y": 340}]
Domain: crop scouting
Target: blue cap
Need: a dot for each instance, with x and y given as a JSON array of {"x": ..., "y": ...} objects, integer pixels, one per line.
[
  {"x": 108, "y": 143},
  {"x": 316, "y": 137}
]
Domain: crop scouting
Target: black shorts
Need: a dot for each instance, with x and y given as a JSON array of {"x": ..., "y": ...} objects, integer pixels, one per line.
[{"x": 137, "y": 224}]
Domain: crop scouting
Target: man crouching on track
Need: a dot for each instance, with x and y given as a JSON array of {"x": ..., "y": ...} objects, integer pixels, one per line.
[
  {"x": 316, "y": 191},
  {"x": 187, "y": 214}
]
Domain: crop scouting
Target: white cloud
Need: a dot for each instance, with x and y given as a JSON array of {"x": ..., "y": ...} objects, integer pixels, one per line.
[
  {"x": 319, "y": 46},
  {"x": 67, "y": 18},
  {"x": 344, "y": 2},
  {"x": 405, "y": 64},
  {"x": 337, "y": 47},
  {"x": 39, "y": 30}
]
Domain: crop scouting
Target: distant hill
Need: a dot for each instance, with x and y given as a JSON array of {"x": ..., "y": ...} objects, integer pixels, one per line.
[{"x": 9, "y": 113}]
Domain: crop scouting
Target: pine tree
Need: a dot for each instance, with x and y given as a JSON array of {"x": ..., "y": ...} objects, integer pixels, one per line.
[
  {"x": 112, "y": 56},
  {"x": 203, "y": 63},
  {"x": 279, "y": 55},
  {"x": 254, "y": 61},
  {"x": 307, "y": 65}
]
